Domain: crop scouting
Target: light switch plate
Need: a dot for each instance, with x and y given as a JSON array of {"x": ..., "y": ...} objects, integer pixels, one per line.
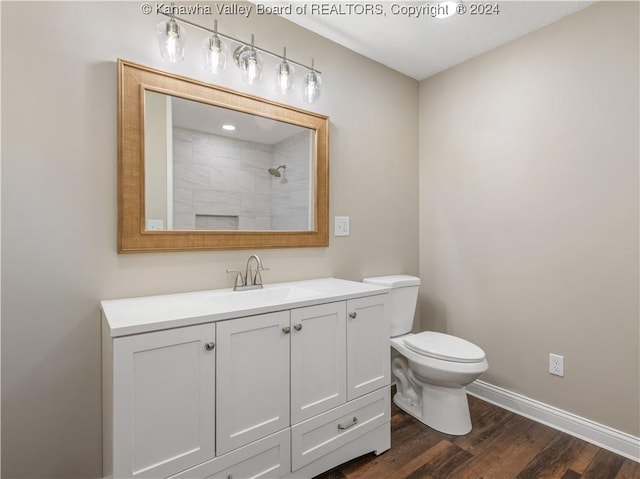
[{"x": 341, "y": 226}]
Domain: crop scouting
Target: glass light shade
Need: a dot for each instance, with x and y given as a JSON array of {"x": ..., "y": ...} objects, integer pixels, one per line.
[
  {"x": 171, "y": 40},
  {"x": 250, "y": 63},
  {"x": 284, "y": 77},
  {"x": 311, "y": 89},
  {"x": 215, "y": 54}
]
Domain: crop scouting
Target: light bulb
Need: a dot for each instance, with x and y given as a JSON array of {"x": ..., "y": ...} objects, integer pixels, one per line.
[
  {"x": 215, "y": 54},
  {"x": 251, "y": 66},
  {"x": 171, "y": 40},
  {"x": 249, "y": 62},
  {"x": 284, "y": 75},
  {"x": 311, "y": 90}
]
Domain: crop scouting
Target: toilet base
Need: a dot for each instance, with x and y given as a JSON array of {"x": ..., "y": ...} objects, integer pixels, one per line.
[{"x": 443, "y": 409}]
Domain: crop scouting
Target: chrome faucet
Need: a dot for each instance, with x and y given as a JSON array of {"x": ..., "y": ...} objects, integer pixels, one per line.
[{"x": 252, "y": 279}]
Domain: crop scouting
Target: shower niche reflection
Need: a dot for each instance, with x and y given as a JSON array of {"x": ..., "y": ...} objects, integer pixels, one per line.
[{"x": 209, "y": 168}]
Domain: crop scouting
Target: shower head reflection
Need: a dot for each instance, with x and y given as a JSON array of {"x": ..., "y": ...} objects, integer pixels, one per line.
[{"x": 276, "y": 171}]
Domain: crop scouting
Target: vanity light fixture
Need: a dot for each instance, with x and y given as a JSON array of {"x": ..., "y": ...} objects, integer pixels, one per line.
[
  {"x": 171, "y": 39},
  {"x": 250, "y": 63},
  {"x": 284, "y": 75},
  {"x": 215, "y": 52},
  {"x": 247, "y": 56},
  {"x": 312, "y": 82}
]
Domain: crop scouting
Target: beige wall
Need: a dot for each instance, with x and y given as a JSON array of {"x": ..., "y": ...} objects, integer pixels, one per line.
[
  {"x": 529, "y": 211},
  {"x": 59, "y": 204}
]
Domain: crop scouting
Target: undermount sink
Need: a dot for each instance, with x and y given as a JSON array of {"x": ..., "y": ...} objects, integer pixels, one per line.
[{"x": 266, "y": 295}]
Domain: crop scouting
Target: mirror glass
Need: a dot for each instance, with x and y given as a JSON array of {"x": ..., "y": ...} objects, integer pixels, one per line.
[
  {"x": 187, "y": 184},
  {"x": 214, "y": 168}
]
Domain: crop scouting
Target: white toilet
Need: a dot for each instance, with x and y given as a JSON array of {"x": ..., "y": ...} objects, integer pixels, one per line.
[{"x": 431, "y": 369}]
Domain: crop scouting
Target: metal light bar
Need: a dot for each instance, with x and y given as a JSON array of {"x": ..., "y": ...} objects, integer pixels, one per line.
[{"x": 189, "y": 22}]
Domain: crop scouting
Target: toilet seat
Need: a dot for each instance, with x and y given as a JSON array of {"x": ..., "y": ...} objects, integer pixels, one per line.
[{"x": 444, "y": 347}]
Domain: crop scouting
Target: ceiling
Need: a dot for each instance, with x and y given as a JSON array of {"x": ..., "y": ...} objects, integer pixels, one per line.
[
  {"x": 193, "y": 115},
  {"x": 423, "y": 46}
]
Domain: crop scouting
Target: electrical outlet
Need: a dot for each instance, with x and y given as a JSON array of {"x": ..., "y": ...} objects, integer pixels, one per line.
[
  {"x": 556, "y": 364},
  {"x": 155, "y": 224}
]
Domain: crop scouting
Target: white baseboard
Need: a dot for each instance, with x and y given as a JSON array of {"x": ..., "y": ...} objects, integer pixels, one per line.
[{"x": 605, "y": 437}]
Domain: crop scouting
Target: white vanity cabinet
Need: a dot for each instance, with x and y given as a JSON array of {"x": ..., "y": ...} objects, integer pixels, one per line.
[
  {"x": 318, "y": 360},
  {"x": 252, "y": 379},
  {"x": 368, "y": 333},
  {"x": 267, "y": 458},
  {"x": 162, "y": 400},
  {"x": 287, "y": 390},
  {"x": 278, "y": 369}
]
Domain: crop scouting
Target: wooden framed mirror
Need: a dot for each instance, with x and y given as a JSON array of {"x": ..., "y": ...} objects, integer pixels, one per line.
[{"x": 187, "y": 180}]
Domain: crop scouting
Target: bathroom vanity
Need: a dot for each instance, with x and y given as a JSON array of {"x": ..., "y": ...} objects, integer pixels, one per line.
[{"x": 285, "y": 381}]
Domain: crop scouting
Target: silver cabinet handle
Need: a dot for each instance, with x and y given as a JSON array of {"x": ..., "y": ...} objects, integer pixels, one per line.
[
  {"x": 353, "y": 422},
  {"x": 297, "y": 327},
  {"x": 209, "y": 346},
  {"x": 353, "y": 315},
  {"x": 286, "y": 330}
]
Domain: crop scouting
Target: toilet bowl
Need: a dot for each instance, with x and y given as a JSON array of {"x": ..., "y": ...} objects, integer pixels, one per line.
[{"x": 431, "y": 369}]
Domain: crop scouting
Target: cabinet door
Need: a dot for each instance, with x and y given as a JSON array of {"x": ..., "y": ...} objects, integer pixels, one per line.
[
  {"x": 164, "y": 413},
  {"x": 252, "y": 379},
  {"x": 318, "y": 359},
  {"x": 368, "y": 335}
]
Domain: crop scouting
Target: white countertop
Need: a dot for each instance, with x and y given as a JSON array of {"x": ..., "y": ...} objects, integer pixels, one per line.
[{"x": 151, "y": 313}]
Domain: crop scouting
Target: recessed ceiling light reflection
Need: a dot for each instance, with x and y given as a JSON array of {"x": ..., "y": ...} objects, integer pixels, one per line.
[{"x": 229, "y": 127}]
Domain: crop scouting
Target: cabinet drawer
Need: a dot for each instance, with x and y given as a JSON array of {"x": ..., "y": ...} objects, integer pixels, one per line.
[
  {"x": 322, "y": 434},
  {"x": 266, "y": 458}
]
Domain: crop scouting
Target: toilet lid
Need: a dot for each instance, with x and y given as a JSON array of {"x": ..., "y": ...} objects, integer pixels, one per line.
[{"x": 445, "y": 347}]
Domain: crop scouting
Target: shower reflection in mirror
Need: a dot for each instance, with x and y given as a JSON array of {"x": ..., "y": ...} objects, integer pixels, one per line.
[
  {"x": 276, "y": 173},
  {"x": 203, "y": 174}
]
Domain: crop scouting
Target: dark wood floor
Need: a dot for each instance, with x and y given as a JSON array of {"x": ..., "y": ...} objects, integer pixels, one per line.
[{"x": 502, "y": 445}]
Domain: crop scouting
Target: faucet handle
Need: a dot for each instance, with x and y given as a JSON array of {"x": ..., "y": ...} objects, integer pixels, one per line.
[
  {"x": 240, "y": 281},
  {"x": 257, "y": 278}
]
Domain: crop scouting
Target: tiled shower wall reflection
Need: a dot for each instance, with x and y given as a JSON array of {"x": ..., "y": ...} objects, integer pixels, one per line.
[
  {"x": 290, "y": 201},
  {"x": 224, "y": 183}
]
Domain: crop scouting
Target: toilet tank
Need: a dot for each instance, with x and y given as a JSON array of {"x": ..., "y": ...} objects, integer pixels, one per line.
[{"x": 404, "y": 297}]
